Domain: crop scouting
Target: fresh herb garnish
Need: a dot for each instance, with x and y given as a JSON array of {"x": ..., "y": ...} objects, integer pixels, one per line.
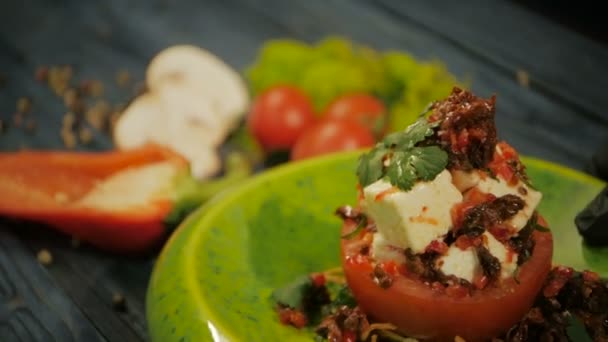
[{"x": 398, "y": 159}]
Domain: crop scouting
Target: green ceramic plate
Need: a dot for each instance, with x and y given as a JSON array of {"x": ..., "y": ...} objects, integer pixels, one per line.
[{"x": 213, "y": 279}]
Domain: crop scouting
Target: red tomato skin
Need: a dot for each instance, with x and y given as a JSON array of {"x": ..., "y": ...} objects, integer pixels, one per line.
[
  {"x": 278, "y": 117},
  {"x": 361, "y": 108},
  {"x": 419, "y": 311},
  {"x": 329, "y": 136}
]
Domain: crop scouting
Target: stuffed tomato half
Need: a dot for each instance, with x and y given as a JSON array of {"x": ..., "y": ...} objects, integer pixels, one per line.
[{"x": 446, "y": 240}]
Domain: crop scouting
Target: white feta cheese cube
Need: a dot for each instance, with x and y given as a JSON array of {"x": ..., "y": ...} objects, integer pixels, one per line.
[
  {"x": 499, "y": 187},
  {"x": 414, "y": 218},
  {"x": 508, "y": 259},
  {"x": 460, "y": 263},
  {"x": 464, "y": 180},
  {"x": 382, "y": 250}
]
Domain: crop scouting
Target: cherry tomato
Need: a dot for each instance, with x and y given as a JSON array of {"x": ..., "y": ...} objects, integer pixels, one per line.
[
  {"x": 420, "y": 311},
  {"x": 278, "y": 116},
  {"x": 330, "y": 136},
  {"x": 362, "y": 108}
]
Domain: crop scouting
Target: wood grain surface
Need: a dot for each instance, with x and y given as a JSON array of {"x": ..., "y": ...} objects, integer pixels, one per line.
[{"x": 560, "y": 116}]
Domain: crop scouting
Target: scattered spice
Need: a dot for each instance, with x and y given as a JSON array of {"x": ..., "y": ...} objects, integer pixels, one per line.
[
  {"x": 75, "y": 95},
  {"x": 84, "y": 87},
  {"x": 24, "y": 105},
  {"x": 522, "y": 78},
  {"x": 97, "y": 115},
  {"x": 96, "y": 88},
  {"x": 123, "y": 78},
  {"x": 68, "y": 137},
  {"x": 85, "y": 135},
  {"x": 69, "y": 120},
  {"x": 42, "y": 74},
  {"x": 59, "y": 78},
  {"x": 70, "y": 98},
  {"x": 119, "y": 303},
  {"x": 44, "y": 257}
]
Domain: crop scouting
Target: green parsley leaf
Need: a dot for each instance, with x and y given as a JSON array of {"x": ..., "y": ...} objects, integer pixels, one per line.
[
  {"x": 292, "y": 294},
  {"x": 428, "y": 161},
  {"x": 399, "y": 172},
  {"x": 370, "y": 167},
  {"x": 399, "y": 161},
  {"x": 412, "y": 135}
]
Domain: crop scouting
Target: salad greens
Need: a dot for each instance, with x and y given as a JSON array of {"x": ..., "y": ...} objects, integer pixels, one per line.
[{"x": 336, "y": 66}]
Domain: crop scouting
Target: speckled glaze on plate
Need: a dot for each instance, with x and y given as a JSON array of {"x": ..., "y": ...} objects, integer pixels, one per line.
[{"x": 213, "y": 278}]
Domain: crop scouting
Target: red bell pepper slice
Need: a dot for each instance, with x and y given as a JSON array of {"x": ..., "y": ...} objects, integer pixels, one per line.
[{"x": 47, "y": 187}]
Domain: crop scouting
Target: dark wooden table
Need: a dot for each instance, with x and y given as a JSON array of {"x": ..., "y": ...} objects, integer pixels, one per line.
[{"x": 559, "y": 116}]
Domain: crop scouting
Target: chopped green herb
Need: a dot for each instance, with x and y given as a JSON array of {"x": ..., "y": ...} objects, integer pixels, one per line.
[{"x": 400, "y": 161}]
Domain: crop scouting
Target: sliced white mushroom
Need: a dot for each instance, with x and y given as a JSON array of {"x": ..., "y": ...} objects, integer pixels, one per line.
[
  {"x": 194, "y": 101},
  {"x": 146, "y": 120},
  {"x": 143, "y": 121},
  {"x": 206, "y": 74},
  {"x": 204, "y": 159},
  {"x": 184, "y": 106}
]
